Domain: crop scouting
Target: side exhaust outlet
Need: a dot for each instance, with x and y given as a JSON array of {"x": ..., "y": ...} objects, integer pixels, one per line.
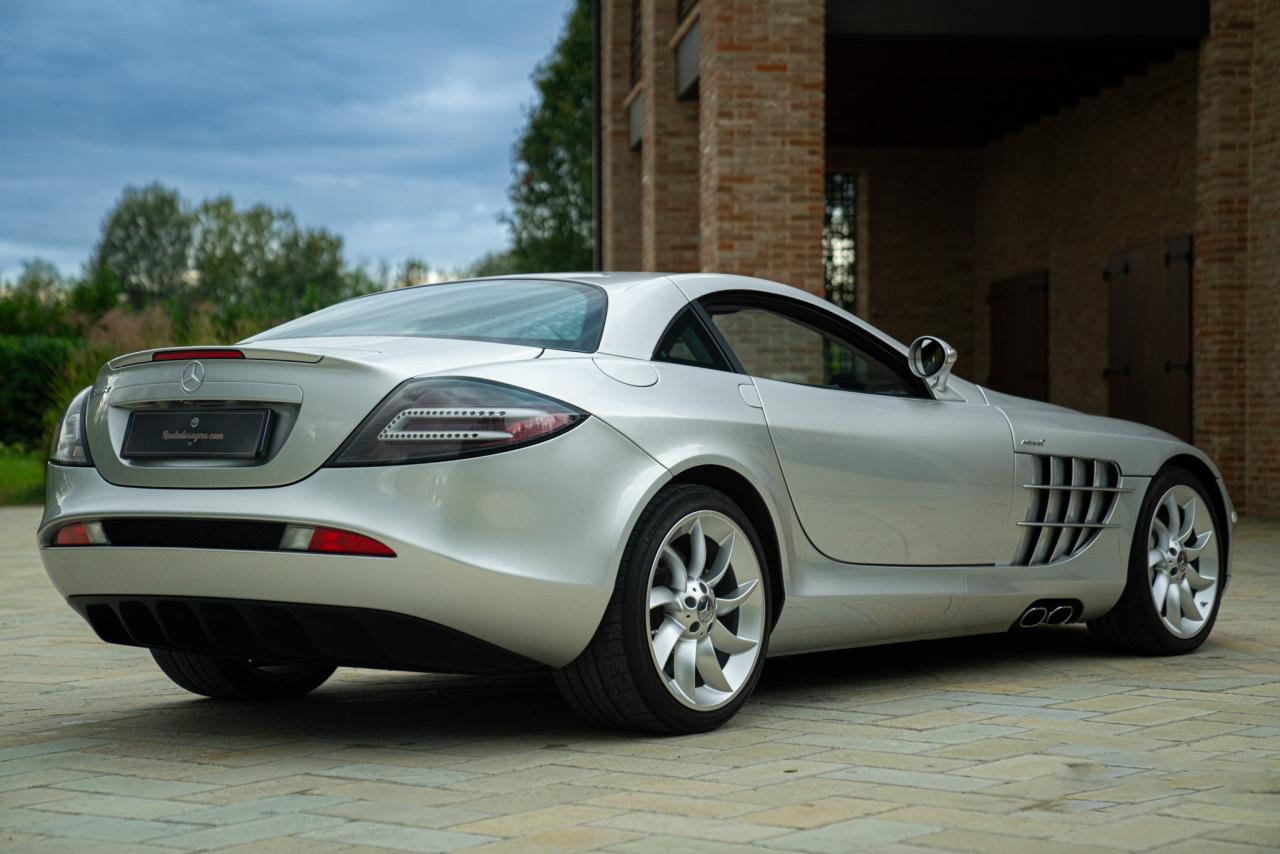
[
  {"x": 1033, "y": 616},
  {"x": 1059, "y": 615}
]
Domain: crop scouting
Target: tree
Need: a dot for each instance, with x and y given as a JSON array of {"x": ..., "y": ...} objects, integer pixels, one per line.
[
  {"x": 146, "y": 244},
  {"x": 33, "y": 305},
  {"x": 550, "y": 192},
  {"x": 500, "y": 263},
  {"x": 259, "y": 266},
  {"x": 414, "y": 271}
]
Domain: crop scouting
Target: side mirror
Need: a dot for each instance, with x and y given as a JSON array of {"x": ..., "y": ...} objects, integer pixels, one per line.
[{"x": 931, "y": 360}]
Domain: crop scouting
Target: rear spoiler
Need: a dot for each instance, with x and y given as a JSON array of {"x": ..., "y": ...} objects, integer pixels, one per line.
[{"x": 175, "y": 354}]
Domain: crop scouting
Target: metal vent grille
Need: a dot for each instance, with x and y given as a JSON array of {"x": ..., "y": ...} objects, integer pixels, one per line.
[{"x": 1070, "y": 501}]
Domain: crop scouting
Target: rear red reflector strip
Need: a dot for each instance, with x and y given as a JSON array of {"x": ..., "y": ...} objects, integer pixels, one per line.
[
  {"x": 80, "y": 534},
  {"x": 304, "y": 538},
  {"x": 344, "y": 542},
  {"x": 182, "y": 355}
]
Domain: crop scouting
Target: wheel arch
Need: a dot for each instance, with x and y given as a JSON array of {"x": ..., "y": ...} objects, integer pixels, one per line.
[
  {"x": 1209, "y": 477},
  {"x": 745, "y": 494}
]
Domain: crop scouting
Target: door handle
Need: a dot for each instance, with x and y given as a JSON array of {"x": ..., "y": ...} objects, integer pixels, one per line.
[{"x": 1170, "y": 367}]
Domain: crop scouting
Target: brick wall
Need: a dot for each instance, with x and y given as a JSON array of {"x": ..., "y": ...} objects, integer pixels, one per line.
[
  {"x": 1113, "y": 172},
  {"x": 1263, "y": 323},
  {"x": 619, "y": 165},
  {"x": 1221, "y": 277},
  {"x": 761, "y": 132},
  {"x": 669, "y": 190},
  {"x": 915, "y": 243}
]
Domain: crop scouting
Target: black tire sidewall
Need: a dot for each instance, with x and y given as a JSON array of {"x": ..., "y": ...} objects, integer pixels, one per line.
[
  {"x": 1139, "y": 583},
  {"x": 234, "y": 679},
  {"x": 641, "y": 552}
]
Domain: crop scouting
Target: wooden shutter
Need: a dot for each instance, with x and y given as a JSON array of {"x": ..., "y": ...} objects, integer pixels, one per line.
[
  {"x": 1149, "y": 335},
  {"x": 1019, "y": 312}
]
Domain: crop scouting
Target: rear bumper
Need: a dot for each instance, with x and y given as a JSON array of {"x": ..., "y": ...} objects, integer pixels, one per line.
[
  {"x": 287, "y": 632},
  {"x": 517, "y": 550}
]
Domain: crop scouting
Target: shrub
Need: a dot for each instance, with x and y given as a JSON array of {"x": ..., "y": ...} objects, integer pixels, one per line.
[{"x": 32, "y": 367}]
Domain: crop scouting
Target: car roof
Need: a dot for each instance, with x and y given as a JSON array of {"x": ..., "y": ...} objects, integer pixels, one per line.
[
  {"x": 648, "y": 305},
  {"x": 642, "y": 304}
]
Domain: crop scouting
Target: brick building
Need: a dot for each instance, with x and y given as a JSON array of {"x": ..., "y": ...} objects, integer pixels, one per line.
[{"x": 1083, "y": 196}]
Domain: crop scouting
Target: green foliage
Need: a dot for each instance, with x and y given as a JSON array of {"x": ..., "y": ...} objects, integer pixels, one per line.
[
  {"x": 414, "y": 271},
  {"x": 30, "y": 365},
  {"x": 163, "y": 273},
  {"x": 258, "y": 266},
  {"x": 550, "y": 190},
  {"x": 497, "y": 264},
  {"x": 21, "y": 476},
  {"x": 96, "y": 294},
  {"x": 33, "y": 303},
  {"x": 146, "y": 243}
]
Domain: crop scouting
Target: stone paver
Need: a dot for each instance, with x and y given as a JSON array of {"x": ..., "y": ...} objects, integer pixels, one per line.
[{"x": 970, "y": 745}]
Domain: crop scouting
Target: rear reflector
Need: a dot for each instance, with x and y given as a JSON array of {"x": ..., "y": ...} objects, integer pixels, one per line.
[
  {"x": 182, "y": 355},
  {"x": 81, "y": 534},
  {"x": 332, "y": 541}
]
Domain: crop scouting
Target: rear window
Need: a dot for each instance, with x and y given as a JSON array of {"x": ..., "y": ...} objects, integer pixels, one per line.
[{"x": 529, "y": 312}]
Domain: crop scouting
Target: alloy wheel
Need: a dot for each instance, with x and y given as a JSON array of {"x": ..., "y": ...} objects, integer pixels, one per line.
[
  {"x": 1182, "y": 562},
  {"x": 707, "y": 610}
]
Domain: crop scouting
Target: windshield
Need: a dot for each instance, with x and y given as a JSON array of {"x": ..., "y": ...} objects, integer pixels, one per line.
[{"x": 529, "y": 312}]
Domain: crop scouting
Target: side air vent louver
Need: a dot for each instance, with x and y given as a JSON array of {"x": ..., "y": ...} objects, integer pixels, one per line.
[{"x": 1070, "y": 500}]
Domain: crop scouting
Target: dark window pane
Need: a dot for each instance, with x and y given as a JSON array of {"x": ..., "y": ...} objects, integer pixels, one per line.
[
  {"x": 775, "y": 347},
  {"x": 840, "y": 238},
  {"x": 529, "y": 312},
  {"x": 635, "y": 42},
  {"x": 687, "y": 342}
]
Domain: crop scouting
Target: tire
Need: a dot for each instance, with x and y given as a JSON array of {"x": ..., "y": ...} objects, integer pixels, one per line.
[
  {"x": 617, "y": 680},
  {"x": 1136, "y": 624},
  {"x": 233, "y": 679}
]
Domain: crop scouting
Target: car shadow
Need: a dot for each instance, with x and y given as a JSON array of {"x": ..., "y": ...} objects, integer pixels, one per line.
[{"x": 380, "y": 709}]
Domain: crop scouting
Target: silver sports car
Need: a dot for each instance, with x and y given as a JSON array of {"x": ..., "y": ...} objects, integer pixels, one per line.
[{"x": 645, "y": 483}]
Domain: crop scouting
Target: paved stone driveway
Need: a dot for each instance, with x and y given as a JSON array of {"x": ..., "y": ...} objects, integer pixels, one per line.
[{"x": 987, "y": 744}]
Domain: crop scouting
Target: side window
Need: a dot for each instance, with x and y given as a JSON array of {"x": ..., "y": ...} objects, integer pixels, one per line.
[
  {"x": 687, "y": 342},
  {"x": 775, "y": 346}
]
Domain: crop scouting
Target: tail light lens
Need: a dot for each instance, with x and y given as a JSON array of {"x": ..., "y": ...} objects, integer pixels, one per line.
[
  {"x": 302, "y": 538},
  {"x": 448, "y": 418},
  {"x": 81, "y": 534},
  {"x": 69, "y": 445}
]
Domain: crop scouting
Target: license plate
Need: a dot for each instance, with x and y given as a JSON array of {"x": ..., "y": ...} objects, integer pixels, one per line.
[{"x": 223, "y": 433}]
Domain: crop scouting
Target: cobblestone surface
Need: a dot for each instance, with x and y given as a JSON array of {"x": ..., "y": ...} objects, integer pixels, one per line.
[{"x": 983, "y": 744}]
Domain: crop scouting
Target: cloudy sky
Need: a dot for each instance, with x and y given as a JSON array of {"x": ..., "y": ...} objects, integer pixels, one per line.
[{"x": 388, "y": 121}]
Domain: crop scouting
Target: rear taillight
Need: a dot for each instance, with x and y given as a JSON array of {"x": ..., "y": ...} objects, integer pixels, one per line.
[
  {"x": 302, "y": 538},
  {"x": 448, "y": 418},
  {"x": 81, "y": 534},
  {"x": 70, "y": 447},
  {"x": 184, "y": 355}
]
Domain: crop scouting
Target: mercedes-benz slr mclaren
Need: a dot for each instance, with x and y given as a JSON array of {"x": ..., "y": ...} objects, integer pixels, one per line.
[{"x": 645, "y": 484}]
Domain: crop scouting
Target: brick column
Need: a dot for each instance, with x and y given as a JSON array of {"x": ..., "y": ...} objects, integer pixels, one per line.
[
  {"x": 1221, "y": 279},
  {"x": 668, "y": 164},
  {"x": 619, "y": 165},
  {"x": 1263, "y": 485},
  {"x": 761, "y": 129}
]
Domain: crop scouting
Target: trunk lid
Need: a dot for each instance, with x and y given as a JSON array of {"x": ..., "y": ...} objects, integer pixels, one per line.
[{"x": 316, "y": 389}]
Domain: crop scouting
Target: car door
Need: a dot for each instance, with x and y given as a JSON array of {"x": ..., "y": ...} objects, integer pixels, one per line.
[{"x": 880, "y": 472}]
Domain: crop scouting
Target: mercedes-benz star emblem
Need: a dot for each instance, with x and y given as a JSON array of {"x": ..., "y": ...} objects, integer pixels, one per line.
[{"x": 192, "y": 377}]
